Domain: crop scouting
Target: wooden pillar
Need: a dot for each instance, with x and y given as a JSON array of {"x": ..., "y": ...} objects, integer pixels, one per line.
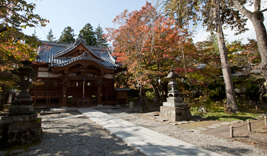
[
  {"x": 64, "y": 95},
  {"x": 99, "y": 94}
]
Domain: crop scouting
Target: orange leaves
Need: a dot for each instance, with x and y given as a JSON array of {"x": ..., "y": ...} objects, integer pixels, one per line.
[{"x": 146, "y": 42}]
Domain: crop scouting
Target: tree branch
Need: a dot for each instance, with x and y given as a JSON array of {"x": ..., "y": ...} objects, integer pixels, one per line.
[
  {"x": 257, "y": 5},
  {"x": 242, "y": 9},
  {"x": 263, "y": 10}
]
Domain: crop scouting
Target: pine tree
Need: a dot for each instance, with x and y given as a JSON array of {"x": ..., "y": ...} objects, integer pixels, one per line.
[
  {"x": 34, "y": 33},
  {"x": 100, "y": 41},
  {"x": 50, "y": 37},
  {"x": 67, "y": 36},
  {"x": 88, "y": 34}
]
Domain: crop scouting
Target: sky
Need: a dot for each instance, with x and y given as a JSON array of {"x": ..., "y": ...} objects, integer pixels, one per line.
[{"x": 63, "y": 13}]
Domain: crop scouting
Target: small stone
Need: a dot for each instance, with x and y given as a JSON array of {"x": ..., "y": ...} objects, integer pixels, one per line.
[
  {"x": 180, "y": 123},
  {"x": 225, "y": 123},
  {"x": 194, "y": 130},
  {"x": 202, "y": 109},
  {"x": 192, "y": 121},
  {"x": 174, "y": 124},
  {"x": 216, "y": 125},
  {"x": 16, "y": 151},
  {"x": 237, "y": 121},
  {"x": 211, "y": 127},
  {"x": 201, "y": 128}
]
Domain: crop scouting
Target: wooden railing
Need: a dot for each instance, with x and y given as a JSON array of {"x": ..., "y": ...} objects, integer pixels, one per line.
[{"x": 43, "y": 95}]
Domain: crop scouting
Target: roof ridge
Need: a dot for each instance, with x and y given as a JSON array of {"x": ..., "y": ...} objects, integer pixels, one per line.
[{"x": 55, "y": 43}]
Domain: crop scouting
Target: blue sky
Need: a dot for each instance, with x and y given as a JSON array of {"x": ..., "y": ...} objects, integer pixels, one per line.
[
  {"x": 63, "y": 13},
  {"x": 76, "y": 13}
]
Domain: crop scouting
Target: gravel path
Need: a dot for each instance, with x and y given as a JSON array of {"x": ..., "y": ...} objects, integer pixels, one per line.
[
  {"x": 209, "y": 142},
  {"x": 75, "y": 134}
]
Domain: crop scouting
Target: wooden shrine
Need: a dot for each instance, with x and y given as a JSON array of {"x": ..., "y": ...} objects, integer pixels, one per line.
[{"x": 74, "y": 75}]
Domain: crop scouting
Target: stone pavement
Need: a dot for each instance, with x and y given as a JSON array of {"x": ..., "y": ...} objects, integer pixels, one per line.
[{"x": 142, "y": 139}]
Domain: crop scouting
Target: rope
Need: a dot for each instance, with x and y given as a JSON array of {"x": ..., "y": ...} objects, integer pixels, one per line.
[{"x": 250, "y": 123}]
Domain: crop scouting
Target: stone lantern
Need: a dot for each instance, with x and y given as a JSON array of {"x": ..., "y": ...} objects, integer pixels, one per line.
[
  {"x": 24, "y": 73},
  {"x": 21, "y": 125},
  {"x": 174, "y": 109}
]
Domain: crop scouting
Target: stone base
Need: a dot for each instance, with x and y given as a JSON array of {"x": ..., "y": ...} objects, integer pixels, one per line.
[
  {"x": 20, "y": 133},
  {"x": 18, "y": 118},
  {"x": 21, "y": 110},
  {"x": 175, "y": 113},
  {"x": 174, "y": 102}
]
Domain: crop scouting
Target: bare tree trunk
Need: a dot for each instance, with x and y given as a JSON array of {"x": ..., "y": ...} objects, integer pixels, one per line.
[
  {"x": 143, "y": 100},
  {"x": 229, "y": 87},
  {"x": 159, "y": 92}
]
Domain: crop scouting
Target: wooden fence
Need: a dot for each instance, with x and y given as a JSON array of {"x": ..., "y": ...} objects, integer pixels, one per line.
[{"x": 248, "y": 124}]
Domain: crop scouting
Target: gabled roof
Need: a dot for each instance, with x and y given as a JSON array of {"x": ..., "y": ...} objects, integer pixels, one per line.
[
  {"x": 50, "y": 52},
  {"x": 84, "y": 56},
  {"x": 72, "y": 46}
]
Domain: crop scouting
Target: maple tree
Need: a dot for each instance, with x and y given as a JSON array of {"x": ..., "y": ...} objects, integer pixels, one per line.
[
  {"x": 14, "y": 44},
  {"x": 148, "y": 44}
]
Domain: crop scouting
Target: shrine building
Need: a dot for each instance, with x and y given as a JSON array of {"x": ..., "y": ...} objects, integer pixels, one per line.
[{"x": 75, "y": 75}]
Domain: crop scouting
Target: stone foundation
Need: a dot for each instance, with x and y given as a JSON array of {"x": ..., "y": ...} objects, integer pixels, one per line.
[
  {"x": 20, "y": 133},
  {"x": 175, "y": 113},
  {"x": 21, "y": 128}
]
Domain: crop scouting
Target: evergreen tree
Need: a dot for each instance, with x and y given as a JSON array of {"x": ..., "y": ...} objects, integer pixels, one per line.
[
  {"x": 88, "y": 34},
  {"x": 50, "y": 37},
  {"x": 100, "y": 42},
  {"x": 67, "y": 36},
  {"x": 34, "y": 33}
]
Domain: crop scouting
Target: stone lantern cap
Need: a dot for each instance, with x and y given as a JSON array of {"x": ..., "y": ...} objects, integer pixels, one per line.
[{"x": 172, "y": 75}]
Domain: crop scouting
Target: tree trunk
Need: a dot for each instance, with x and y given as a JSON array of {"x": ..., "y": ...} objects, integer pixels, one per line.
[
  {"x": 159, "y": 92},
  {"x": 229, "y": 87},
  {"x": 143, "y": 101},
  {"x": 257, "y": 19}
]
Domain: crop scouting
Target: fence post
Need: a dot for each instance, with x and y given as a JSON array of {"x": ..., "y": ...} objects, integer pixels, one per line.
[
  {"x": 249, "y": 125},
  {"x": 231, "y": 131},
  {"x": 265, "y": 120}
]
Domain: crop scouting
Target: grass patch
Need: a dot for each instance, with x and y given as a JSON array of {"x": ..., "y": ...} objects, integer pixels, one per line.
[{"x": 220, "y": 115}]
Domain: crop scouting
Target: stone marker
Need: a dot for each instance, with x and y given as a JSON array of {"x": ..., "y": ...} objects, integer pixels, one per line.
[
  {"x": 174, "y": 109},
  {"x": 21, "y": 125}
]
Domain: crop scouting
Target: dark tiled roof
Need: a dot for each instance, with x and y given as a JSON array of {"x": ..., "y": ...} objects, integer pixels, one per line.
[{"x": 49, "y": 53}]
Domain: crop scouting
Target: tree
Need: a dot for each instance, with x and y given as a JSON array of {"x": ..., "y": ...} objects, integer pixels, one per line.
[
  {"x": 50, "y": 37},
  {"x": 88, "y": 34},
  {"x": 14, "y": 44},
  {"x": 257, "y": 18},
  {"x": 148, "y": 44},
  {"x": 67, "y": 36},
  {"x": 100, "y": 41},
  {"x": 213, "y": 14},
  {"x": 34, "y": 34}
]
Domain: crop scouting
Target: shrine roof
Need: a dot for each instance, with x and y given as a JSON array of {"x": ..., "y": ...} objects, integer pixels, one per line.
[{"x": 50, "y": 52}]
